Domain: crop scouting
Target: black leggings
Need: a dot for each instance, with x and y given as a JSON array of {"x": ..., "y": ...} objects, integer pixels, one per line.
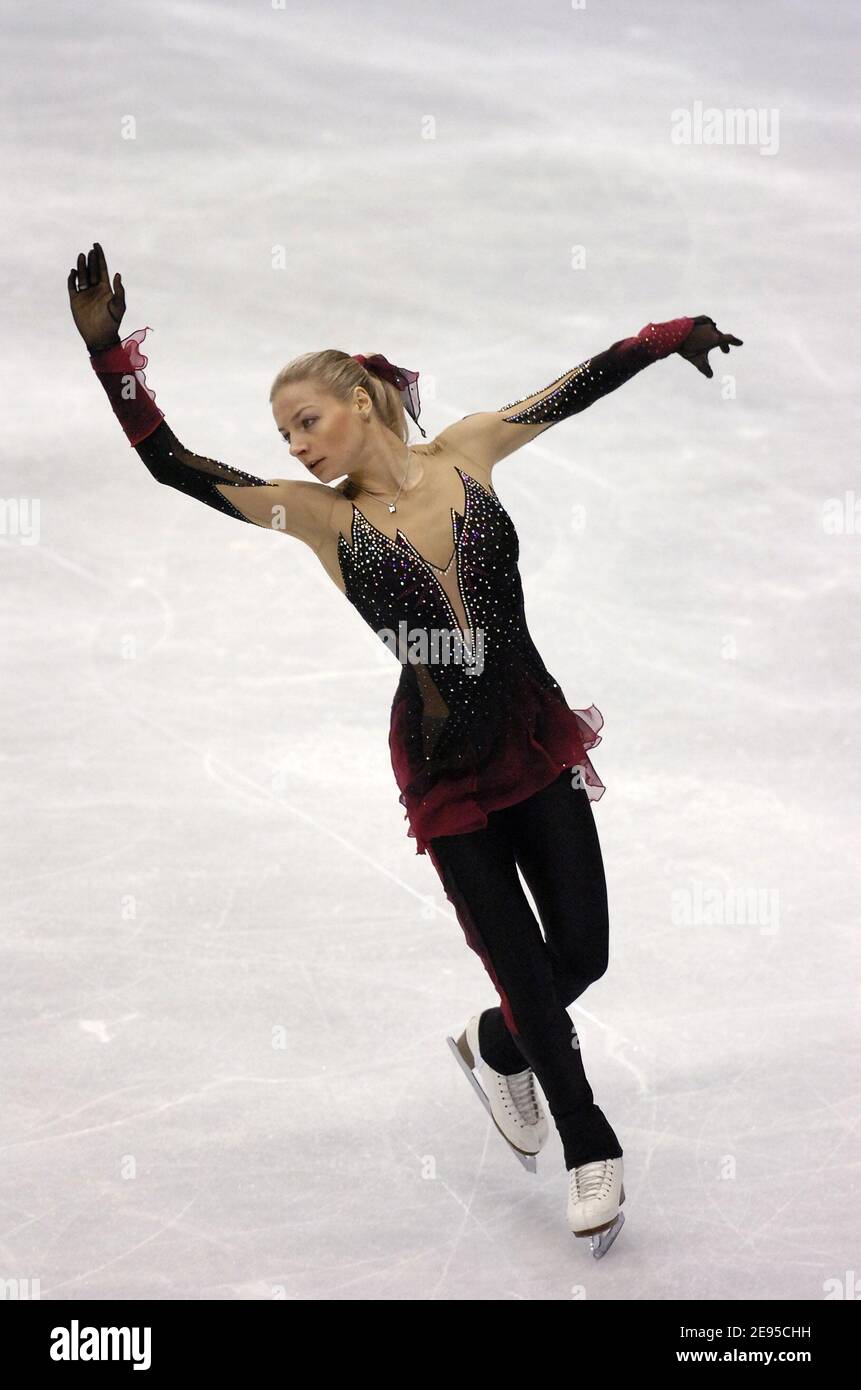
[{"x": 551, "y": 836}]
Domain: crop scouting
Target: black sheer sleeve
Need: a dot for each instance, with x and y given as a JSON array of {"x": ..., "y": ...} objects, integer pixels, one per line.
[
  {"x": 586, "y": 383},
  {"x": 120, "y": 368},
  {"x": 171, "y": 463}
]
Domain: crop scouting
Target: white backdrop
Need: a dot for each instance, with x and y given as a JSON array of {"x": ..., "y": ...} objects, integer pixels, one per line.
[{"x": 227, "y": 976}]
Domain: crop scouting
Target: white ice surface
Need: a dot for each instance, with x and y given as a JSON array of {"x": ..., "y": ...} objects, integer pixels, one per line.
[{"x": 202, "y": 838}]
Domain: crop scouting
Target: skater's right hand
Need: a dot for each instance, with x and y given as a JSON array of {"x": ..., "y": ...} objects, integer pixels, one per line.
[{"x": 96, "y": 307}]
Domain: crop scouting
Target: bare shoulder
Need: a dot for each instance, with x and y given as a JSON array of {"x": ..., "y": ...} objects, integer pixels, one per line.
[
  {"x": 296, "y": 508},
  {"x": 466, "y": 442},
  {"x": 491, "y": 435}
]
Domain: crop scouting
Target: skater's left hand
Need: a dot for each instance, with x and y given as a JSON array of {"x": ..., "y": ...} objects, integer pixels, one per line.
[{"x": 704, "y": 336}]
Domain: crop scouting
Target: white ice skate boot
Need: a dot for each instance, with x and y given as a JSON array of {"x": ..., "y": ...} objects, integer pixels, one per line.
[
  {"x": 595, "y": 1194},
  {"x": 511, "y": 1101}
]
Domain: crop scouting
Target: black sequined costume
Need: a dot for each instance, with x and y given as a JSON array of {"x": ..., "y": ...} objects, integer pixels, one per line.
[{"x": 465, "y": 741}]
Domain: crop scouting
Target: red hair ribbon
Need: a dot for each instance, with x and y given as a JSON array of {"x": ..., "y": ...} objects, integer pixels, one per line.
[{"x": 400, "y": 377}]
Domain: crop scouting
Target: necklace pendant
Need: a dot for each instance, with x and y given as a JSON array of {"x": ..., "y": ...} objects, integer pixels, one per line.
[{"x": 392, "y": 507}]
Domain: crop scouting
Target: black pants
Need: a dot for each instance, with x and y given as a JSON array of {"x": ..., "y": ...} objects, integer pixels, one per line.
[{"x": 551, "y": 836}]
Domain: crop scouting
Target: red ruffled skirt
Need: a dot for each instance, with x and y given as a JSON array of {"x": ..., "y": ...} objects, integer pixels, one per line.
[{"x": 547, "y": 737}]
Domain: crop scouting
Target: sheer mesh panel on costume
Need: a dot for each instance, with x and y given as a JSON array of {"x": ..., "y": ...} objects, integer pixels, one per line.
[
  {"x": 586, "y": 383},
  {"x": 171, "y": 463},
  {"x": 419, "y": 546}
]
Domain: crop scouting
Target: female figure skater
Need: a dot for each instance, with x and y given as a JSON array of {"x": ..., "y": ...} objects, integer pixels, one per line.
[{"x": 492, "y": 764}]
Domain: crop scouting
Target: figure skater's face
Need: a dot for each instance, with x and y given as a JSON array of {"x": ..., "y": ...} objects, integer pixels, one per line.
[{"x": 324, "y": 433}]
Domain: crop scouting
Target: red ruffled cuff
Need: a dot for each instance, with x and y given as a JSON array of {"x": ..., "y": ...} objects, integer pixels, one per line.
[{"x": 120, "y": 370}]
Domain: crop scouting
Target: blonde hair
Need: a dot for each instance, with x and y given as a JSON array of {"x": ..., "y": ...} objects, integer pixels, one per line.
[{"x": 339, "y": 374}]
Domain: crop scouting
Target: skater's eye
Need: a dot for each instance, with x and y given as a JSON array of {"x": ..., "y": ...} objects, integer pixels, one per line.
[{"x": 311, "y": 418}]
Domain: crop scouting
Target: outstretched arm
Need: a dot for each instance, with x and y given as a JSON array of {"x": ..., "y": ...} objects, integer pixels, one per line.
[
  {"x": 491, "y": 435},
  {"x": 120, "y": 370},
  {"x": 300, "y": 509}
]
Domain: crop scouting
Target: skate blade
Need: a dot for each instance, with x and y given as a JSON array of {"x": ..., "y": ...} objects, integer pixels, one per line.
[
  {"x": 528, "y": 1160},
  {"x": 602, "y": 1237},
  {"x": 602, "y": 1240}
]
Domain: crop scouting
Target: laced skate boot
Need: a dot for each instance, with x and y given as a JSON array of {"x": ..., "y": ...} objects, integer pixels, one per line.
[
  {"x": 595, "y": 1194},
  {"x": 511, "y": 1101}
]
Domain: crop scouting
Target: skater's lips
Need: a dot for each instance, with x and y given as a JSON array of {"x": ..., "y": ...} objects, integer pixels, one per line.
[{"x": 312, "y": 466}]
